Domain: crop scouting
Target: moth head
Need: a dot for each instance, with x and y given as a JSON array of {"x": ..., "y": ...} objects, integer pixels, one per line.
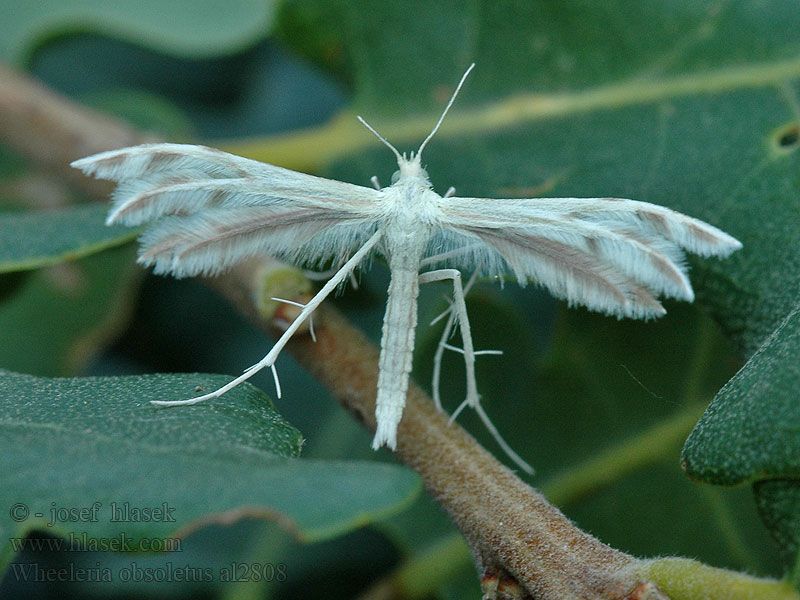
[{"x": 411, "y": 166}]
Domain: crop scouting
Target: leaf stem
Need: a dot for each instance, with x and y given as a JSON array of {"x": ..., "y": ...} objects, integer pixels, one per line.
[{"x": 685, "y": 579}]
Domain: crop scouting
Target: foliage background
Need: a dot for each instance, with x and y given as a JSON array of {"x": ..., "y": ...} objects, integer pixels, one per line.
[{"x": 693, "y": 105}]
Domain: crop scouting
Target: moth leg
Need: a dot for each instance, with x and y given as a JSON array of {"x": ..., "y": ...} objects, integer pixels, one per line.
[
  {"x": 443, "y": 345},
  {"x": 458, "y": 311},
  {"x": 271, "y": 357},
  {"x": 437, "y": 357},
  {"x": 310, "y": 323},
  {"x": 375, "y": 183}
]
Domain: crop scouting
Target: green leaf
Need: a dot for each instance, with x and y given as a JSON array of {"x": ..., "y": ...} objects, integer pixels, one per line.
[
  {"x": 752, "y": 429},
  {"x": 34, "y": 239},
  {"x": 751, "y": 434},
  {"x": 118, "y": 407},
  {"x": 204, "y": 28},
  {"x": 71, "y": 443}
]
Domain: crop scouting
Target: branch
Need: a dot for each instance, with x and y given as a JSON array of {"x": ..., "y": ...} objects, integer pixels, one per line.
[{"x": 523, "y": 546}]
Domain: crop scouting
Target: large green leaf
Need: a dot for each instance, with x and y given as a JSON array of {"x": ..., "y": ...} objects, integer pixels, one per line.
[
  {"x": 204, "y": 28},
  {"x": 96, "y": 442},
  {"x": 751, "y": 433},
  {"x": 35, "y": 239},
  {"x": 752, "y": 429}
]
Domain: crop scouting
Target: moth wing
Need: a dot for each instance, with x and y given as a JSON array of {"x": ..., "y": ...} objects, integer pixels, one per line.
[
  {"x": 212, "y": 209},
  {"x": 161, "y": 179},
  {"x": 611, "y": 255}
]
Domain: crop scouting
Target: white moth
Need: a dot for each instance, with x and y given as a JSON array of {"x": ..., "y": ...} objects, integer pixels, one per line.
[{"x": 213, "y": 209}]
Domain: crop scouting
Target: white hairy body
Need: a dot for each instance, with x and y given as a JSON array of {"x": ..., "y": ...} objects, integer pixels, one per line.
[
  {"x": 412, "y": 209},
  {"x": 212, "y": 209}
]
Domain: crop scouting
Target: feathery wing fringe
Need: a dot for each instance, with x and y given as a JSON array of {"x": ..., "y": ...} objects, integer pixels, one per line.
[
  {"x": 216, "y": 209},
  {"x": 214, "y": 240},
  {"x": 611, "y": 255}
]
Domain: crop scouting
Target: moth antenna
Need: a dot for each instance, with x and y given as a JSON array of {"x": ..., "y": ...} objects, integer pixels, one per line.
[
  {"x": 446, "y": 108},
  {"x": 379, "y": 136}
]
